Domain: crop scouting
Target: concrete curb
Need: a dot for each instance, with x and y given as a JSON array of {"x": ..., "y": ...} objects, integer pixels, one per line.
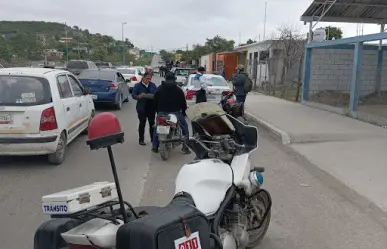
[{"x": 275, "y": 130}]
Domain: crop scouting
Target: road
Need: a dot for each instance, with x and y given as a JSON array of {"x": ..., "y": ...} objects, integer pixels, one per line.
[{"x": 310, "y": 210}]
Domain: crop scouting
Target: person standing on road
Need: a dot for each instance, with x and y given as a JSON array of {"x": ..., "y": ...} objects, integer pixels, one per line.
[
  {"x": 201, "y": 94},
  {"x": 143, "y": 92},
  {"x": 169, "y": 99},
  {"x": 242, "y": 84}
]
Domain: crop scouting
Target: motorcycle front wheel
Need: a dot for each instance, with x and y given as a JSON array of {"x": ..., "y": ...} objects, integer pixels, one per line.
[{"x": 260, "y": 203}]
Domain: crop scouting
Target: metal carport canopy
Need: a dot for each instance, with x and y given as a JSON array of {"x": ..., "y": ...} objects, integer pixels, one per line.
[{"x": 347, "y": 11}]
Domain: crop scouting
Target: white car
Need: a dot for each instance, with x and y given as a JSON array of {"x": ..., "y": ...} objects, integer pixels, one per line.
[
  {"x": 131, "y": 73},
  {"x": 216, "y": 87},
  {"x": 181, "y": 74},
  {"x": 141, "y": 69},
  {"x": 41, "y": 111}
]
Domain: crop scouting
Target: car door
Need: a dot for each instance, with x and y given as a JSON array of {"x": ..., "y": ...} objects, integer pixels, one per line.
[
  {"x": 69, "y": 103},
  {"x": 122, "y": 85},
  {"x": 81, "y": 105}
]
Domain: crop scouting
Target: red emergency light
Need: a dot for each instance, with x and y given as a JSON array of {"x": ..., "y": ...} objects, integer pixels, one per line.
[{"x": 104, "y": 131}]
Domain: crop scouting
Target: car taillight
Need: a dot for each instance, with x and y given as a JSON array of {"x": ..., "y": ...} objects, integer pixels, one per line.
[
  {"x": 81, "y": 247},
  {"x": 133, "y": 78},
  {"x": 113, "y": 85},
  {"x": 190, "y": 94},
  {"x": 225, "y": 93},
  {"x": 48, "y": 120},
  {"x": 161, "y": 120}
]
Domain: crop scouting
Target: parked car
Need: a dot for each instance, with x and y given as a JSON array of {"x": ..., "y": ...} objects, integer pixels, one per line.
[
  {"x": 102, "y": 64},
  {"x": 107, "y": 86},
  {"x": 42, "y": 110},
  {"x": 77, "y": 66},
  {"x": 216, "y": 85},
  {"x": 141, "y": 69},
  {"x": 181, "y": 74},
  {"x": 132, "y": 74}
]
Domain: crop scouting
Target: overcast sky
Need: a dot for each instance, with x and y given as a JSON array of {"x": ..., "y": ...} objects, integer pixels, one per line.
[{"x": 170, "y": 24}]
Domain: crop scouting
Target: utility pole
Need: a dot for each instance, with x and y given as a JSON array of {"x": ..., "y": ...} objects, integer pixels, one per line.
[
  {"x": 264, "y": 23},
  {"x": 123, "y": 44},
  {"x": 67, "y": 47}
]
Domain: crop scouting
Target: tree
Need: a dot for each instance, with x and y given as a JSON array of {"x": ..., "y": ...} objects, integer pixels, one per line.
[
  {"x": 98, "y": 53},
  {"x": 249, "y": 41},
  {"x": 165, "y": 55},
  {"x": 5, "y": 50},
  {"x": 219, "y": 44},
  {"x": 333, "y": 32},
  {"x": 289, "y": 46}
]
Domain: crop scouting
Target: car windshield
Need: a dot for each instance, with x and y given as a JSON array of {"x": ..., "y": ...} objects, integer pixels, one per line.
[
  {"x": 77, "y": 65},
  {"x": 24, "y": 91},
  {"x": 97, "y": 75},
  {"x": 182, "y": 72},
  {"x": 102, "y": 64},
  {"x": 127, "y": 70},
  {"x": 210, "y": 81}
]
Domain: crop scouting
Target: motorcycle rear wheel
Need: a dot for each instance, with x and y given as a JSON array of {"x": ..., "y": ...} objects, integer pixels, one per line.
[{"x": 164, "y": 151}]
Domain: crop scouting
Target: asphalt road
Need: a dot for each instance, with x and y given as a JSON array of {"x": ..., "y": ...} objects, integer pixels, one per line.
[{"x": 310, "y": 209}]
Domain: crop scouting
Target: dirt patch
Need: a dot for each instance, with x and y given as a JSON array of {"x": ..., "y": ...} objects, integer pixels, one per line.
[
  {"x": 375, "y": 99},
  {"x": 331, "y": 98}
]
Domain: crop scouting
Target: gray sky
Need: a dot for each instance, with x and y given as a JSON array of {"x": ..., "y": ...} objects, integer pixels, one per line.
[{"x": 169, "y": 24}]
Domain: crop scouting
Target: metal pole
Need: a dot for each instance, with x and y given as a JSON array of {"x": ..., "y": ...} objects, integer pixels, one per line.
[
  {"x": 67, "y": 49},
  {"x": 310, "y": 32},
  {"x": 79, "y": 52},
  {"x": 119, "y": 192},
  {"x": 123, "y": 45},
  {"x": 264, "y": 23}
]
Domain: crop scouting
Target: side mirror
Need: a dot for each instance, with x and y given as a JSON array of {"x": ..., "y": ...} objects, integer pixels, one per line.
[
  {"x": 180, "y": 84},
  {"x": 139, "y": 73},
  {"x": 86, "y": 91},
  {"x": 127, "y": 80}
]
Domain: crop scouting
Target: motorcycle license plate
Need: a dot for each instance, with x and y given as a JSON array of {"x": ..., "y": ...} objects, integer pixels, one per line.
[
  {"x": 191, "y": 242},
  {"x": 163, "y": 129}
]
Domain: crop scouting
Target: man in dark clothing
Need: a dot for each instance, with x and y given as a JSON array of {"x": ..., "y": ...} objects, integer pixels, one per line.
[
  {"x": 143, "y": 92},
  {"x": 170, "y": 99},
  {"x": 239, "y": 81}
]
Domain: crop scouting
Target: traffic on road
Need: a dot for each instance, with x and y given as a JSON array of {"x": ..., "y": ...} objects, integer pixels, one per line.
[{"x": 92, "y": 123}]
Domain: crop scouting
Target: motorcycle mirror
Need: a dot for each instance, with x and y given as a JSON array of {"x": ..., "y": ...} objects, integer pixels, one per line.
[{"x": 105, "y": 131}]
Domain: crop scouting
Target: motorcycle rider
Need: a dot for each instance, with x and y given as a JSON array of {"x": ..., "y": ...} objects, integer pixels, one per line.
[
  {"x": 169, "y": 99},
  {"x": 201, "y": 95}
]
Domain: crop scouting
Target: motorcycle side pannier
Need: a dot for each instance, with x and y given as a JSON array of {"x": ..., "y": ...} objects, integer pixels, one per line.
[{"x": 178, "y": 225}]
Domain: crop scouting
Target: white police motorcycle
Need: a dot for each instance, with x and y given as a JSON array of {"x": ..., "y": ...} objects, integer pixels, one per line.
[{"x": 218, "y": 203}]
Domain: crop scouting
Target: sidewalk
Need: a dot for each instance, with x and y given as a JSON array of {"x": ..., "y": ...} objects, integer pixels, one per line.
[{"x": 352, "y": 151}]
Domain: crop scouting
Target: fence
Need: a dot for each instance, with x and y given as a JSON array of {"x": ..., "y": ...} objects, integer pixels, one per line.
[
  {"x": 349, "y": 77},
  {"x": 278, "y": 74}
]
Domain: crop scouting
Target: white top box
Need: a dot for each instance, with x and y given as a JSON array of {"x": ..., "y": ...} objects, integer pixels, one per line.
[{"x": 78, "y": 199}]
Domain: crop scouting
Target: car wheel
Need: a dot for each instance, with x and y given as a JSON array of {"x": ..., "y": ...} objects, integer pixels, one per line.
[
  {"x": 119, "y": 102},
  {"x": 58, "y": 156}
]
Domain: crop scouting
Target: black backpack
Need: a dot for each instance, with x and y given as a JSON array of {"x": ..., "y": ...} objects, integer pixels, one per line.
[{"x": 248, "y": 86}]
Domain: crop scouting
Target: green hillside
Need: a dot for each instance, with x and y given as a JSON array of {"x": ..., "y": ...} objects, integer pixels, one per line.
[{"x": 26, "y": 40}]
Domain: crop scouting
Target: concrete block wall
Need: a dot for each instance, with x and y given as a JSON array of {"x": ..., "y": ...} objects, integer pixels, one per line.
[{"x": 331, "y": 69}]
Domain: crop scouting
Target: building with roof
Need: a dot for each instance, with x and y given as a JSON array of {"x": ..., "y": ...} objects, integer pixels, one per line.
[{"x": 349, "y": 68}]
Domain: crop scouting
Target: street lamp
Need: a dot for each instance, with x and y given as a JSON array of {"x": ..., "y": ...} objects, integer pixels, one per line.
[{"x": 123, "y": 44}]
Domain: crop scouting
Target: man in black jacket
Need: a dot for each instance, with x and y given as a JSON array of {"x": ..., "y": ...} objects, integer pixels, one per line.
[{"x": 169, "y": 99}]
